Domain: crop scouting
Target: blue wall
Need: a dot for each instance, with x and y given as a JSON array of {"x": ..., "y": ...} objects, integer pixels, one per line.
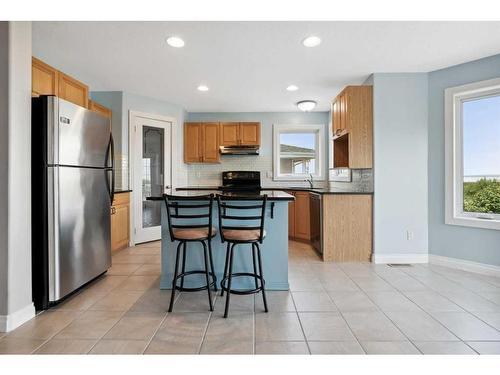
[
  {"x": 400, "y": 166},
  {"x": 478, "y": 245}
]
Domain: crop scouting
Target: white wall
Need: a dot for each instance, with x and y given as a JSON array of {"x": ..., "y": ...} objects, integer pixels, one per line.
[
  {"x": 16, "y": 304},
  {"x": 400, "y": 167}
]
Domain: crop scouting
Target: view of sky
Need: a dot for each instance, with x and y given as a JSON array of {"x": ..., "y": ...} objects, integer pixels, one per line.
[
  {"x": 306, "y": 140},
  {"x": 481, "y": 136}
]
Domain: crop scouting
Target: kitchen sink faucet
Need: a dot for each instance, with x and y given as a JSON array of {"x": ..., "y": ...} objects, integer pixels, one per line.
[{"x": 310, "y": 180}]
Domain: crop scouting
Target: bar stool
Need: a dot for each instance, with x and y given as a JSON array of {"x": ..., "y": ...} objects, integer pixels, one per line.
[
  {"x": 180, "y": 208},
  {"x": 237, "y": 234}
]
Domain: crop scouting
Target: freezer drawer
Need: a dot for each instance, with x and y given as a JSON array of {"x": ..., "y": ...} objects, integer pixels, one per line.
[{"x": 79, "y": 243}]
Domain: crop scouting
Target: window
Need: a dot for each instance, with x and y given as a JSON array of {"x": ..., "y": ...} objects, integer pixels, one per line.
[
  {"x": 298, "y": 152},
  {"x": 473, "y": 155}
]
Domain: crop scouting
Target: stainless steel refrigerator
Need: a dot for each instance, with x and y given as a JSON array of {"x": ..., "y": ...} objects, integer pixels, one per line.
[{"x": 72, "y": 191}]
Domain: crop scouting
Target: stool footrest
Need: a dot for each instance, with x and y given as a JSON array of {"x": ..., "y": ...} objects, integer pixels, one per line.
[
  {"x": 196, "y": 272},
  {"x": 245, "y": 291}
]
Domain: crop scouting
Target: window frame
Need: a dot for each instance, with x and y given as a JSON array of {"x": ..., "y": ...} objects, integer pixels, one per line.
[
  {"x": 319, "y": 129},
  {"x": 454, "y": 97}
]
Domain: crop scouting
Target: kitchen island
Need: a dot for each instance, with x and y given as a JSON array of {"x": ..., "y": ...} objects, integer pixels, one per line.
[{"x": 274, "y": 248}]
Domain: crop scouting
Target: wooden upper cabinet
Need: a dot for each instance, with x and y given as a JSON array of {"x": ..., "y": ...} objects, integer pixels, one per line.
[
  {"x": 44, "y": 78},
  {"x": 201, "y": 142},
  {"x": 73, "y": 90},
  {"x": 250, "y": 133},
  {"x": 192, "y": 143},
  {"x": 240, "y": 133},
  {"x": 229, "y": 133},
  {"x": 210, "y": 140},
  {"x": 352, "y": 112},
  {"x": 99, "y": 108}
]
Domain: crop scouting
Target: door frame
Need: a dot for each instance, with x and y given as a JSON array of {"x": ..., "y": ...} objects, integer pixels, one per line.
[{"x": 133, "y": 116}]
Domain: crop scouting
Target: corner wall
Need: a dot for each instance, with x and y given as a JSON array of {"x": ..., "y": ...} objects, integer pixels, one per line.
[
  {"x": 16, "y": 305},
  {"x": 471, "y": 244},
  {"x": 400, "y": 167}
]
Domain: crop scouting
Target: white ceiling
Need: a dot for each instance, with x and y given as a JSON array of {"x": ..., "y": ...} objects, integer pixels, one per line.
[{"x": 248, "y": 65}]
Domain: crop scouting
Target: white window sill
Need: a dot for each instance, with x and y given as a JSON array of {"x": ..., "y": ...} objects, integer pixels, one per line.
[{"x": 474, "y": 222}]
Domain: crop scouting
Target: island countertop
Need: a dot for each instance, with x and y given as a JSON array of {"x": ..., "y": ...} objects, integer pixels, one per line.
[{"x": 272, "y": 195}]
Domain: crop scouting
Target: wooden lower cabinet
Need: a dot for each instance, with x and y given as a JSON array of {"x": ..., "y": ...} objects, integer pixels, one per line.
[
  {"x": 120, "y": 221},
  {"x": 291, "y": 217},
  {"x": 347, "y": 227},
  {"x": 299, "y": 222}
]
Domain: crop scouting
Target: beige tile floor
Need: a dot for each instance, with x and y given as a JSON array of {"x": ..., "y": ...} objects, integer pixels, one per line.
[{"x": 350, "y": 308}]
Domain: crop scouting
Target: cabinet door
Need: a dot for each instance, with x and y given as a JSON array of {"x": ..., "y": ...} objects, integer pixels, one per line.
[
  {"x": 336, "y": 116},
  {"x": 291, "y": 217},
  {"x": 73, "y": 90},
  {"x": 192, "y": 143},
  {"x": 229, "y": 133},
  {"x": 250, "y": 133},
  {"x": 302, "y": 215},
  {"x": 120, "y": 226},
  {"x": 343, "y": 112},
  {"x": 210, "y": 142},
  {"x": 43, "y": 78}
]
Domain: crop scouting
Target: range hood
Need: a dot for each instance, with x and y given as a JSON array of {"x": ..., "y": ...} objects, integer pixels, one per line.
[{"x": 239, "y": 150}]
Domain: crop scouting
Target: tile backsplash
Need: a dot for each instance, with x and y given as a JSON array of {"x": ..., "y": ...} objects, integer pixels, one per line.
[
  {"x": 362, "y": 180},
  {"x": 210, "y": 174}
]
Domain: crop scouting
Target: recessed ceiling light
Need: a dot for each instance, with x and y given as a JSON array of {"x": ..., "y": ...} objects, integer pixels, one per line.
[
  {"x": 311, "y": 41},
  {"x": 175, "y": 41},
  {"x": 202, "y": 88},
  {"x": 292, "y": 88},
  {"x": 306, "y": 105}
]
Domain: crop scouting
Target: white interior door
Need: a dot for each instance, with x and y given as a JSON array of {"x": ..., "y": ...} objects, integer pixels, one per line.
[{"x": 152, "y": 175}]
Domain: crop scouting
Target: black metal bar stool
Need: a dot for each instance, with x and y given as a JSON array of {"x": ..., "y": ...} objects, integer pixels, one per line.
[
  {"x": 240, "y": 234},
  {"x": 180, "y": 208}
]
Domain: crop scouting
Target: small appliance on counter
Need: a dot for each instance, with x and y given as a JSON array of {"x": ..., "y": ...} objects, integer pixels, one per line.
[
  {"x": 240, "y": 181},
  {"x": 72, "y": 191}
]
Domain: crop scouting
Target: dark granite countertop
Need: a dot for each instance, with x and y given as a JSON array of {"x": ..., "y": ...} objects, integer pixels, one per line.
[
  {"x": 272, "y": 195},
  {"x": 122, "y": 191},
  {"x": 284, "y": 188}
]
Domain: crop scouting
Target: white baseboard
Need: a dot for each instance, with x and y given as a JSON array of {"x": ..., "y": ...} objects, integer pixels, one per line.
[
  {"x": 14, "y": 320},
  {"x": 400, "y": 258},
  {"x": 466, "y": 265}
]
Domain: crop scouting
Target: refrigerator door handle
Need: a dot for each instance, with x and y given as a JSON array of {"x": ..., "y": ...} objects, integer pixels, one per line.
[{"x": 110, "y": 154}]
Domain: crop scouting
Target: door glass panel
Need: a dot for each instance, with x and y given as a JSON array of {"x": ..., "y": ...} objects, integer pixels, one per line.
[{"x": 152, "y": 174}]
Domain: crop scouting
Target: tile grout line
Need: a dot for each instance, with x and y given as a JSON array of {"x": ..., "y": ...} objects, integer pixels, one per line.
[
  {"x": 459, "y": 305},
  {"x": 346, "y": 322},
  {"x": 383, "y": 312},
  {"x": 300, "y": 323},
  {"x": 154, "y": 333},
  {"x": 210, "y": 314}
]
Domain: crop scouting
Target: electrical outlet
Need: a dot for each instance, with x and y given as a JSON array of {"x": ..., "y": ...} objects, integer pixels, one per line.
[{"x": 409, "y": 235}]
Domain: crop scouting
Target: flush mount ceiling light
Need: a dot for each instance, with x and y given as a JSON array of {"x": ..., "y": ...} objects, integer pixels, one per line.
[
  {"x": 292, "y": 88},
  {"x": 175, "y": 41},
  {"x": 311, "y": 41},
  {"x": 202, "y": 88},
  {"x": 306, "y": 105}
]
